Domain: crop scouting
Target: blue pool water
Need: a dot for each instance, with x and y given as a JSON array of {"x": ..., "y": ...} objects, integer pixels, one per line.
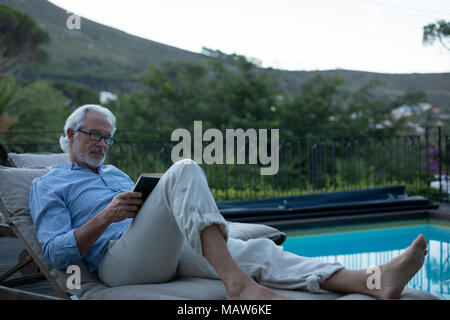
[{"x": 363, "y": 246}]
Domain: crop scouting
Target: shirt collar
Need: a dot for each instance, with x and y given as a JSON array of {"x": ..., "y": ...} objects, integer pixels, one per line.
[{"x": 72, "y": 166}]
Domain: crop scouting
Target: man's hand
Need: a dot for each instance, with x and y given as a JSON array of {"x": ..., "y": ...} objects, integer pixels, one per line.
[{"x": 124, "y": 205}]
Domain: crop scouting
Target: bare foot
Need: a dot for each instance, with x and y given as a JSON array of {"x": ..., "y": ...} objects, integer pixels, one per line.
[
  {"x": 396, "y": 274},
  {"x": 250, "y": 290}
]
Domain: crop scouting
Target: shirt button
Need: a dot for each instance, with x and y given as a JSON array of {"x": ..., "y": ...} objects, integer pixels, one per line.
[
  {"x": 191, "y": 208},
  {"x": 182, "y": 188}
]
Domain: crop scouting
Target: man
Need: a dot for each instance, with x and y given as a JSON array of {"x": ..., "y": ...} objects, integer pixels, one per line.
[{"x": 85, "y": 209}]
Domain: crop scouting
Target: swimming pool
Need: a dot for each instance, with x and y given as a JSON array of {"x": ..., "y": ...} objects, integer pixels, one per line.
[{"x": 361, "y": 246}]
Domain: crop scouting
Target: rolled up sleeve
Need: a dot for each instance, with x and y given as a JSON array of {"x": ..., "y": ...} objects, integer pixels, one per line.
[{"x": 53, "y": 226}]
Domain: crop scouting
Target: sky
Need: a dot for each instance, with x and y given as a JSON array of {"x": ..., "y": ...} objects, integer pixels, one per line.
[{"x": 368, "y": 35}]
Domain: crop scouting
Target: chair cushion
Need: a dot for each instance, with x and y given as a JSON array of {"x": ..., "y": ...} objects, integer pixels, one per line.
[
  {"x": 15, "y": 185},
  {"x": 210, "y": 289},
  {"x": 246, "y": 231},
  {"x": 21, "y": 160}
]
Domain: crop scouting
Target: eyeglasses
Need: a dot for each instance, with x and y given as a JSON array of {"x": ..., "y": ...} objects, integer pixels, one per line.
[{"x": 97, "y": 137}]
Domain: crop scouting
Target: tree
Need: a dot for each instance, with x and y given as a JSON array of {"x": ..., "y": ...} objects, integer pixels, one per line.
[
  {"x": 176, "y": 90},
  {"x": 76, "y": 93},
  {"x": 242, "y": 95},
  {"x": 7, "y": 102},
  {"x": 31, "y": 107},
  {"x": 440, "y": 31},
  {"x": 319, "y": 101},
  {"x": 20, "y": 40},
  {"x": 223, "y": 94}
]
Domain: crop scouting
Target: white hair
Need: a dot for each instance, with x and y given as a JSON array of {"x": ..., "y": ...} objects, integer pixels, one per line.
[{"x": 76, "y": 120}]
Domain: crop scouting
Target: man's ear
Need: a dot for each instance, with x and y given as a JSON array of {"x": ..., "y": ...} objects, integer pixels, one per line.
[{"x": 70, "y": 134}]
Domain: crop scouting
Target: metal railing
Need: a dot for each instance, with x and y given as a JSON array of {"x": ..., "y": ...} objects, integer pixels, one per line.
[{"x": 307, "y": 164}]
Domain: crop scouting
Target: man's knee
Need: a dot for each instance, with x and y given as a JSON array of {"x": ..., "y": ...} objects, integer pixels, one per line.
[
  {"x": 186, "y": 167},
  {"x": 185, "y": 161}
]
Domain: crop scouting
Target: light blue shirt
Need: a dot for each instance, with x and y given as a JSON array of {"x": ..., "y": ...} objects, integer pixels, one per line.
[{"x": 65, "y": 199}]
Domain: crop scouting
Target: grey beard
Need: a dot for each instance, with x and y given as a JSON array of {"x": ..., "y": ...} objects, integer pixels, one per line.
[{"x": 88, "y": 161}]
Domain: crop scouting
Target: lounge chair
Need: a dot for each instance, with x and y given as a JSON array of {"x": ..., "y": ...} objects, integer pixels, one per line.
[{"x": 15, "y": 183}]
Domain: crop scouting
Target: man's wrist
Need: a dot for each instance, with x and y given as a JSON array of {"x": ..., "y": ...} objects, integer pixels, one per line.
[{"x": 103, "y": 218}]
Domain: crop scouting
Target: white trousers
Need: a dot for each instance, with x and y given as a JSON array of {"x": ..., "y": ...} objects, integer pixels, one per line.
[{"x": 163, "y": 242}]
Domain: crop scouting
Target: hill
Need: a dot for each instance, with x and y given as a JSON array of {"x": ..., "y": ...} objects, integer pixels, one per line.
[
  {"x": 97, "y": 55},
  {"x": 435, "y": 85},
  {"x": 109, "y": 59}
]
